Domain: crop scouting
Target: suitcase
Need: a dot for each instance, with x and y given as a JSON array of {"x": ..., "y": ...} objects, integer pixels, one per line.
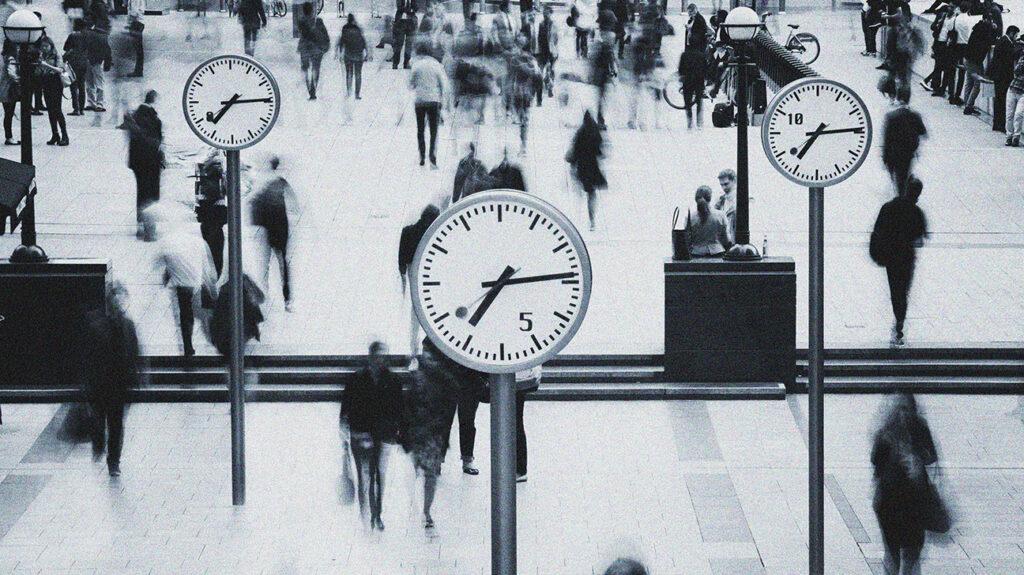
[{"x": 723, "y": 115}]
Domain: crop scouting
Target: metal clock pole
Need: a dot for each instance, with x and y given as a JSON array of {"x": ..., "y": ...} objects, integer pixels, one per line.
[
  {"x": 816, "y": 383},
  {"x": 503, "y": 474},
  {"x": 237, "y": 359}
]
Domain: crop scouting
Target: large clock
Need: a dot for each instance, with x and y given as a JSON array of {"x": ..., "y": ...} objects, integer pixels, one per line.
[
  {"x": 231, "y": 102},
  {"x": 816, "y": 132},
  {"x": 501, "y": 281}
]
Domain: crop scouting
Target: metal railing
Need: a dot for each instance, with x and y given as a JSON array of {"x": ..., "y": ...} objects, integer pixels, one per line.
[{"x": 778, "y": 66}]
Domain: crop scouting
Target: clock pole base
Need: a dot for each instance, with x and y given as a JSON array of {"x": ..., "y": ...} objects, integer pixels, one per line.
[{"x": 742, "y": 253}]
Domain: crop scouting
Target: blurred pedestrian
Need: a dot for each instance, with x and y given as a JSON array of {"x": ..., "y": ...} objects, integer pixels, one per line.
[
  {"x": 49, "y": 68},
  {"x": 314, "y": 42},
  {"x": 524, "y": 83},
  {"x": 906, "y": 45},
  {"x": 583, "y": 15},
  {"x": 604, "y": 70},
  {"x": 429, "y": 83},
  {"x": 527, "y": 381},
  {"x": 430, "y": 401},
  {"x": 270, "y": 211},
  {"x": 9, "y": 90},
  {"x": 125, "y": 86},
  {"x": 136, "y": 26},
  {"x": 371, "y": 409},
  {"x": 403, "y": 34},
  {"x": 906, "y": 503},
  {"x": 901, "y": 137},
  {"x": 77, "y": 57},
  {"x": 469, "y": 387},
  {"x": 407, "y": 244},
  {"x": 584, "y": 159},
  {"x": 624, "y": 566},
  {"x": 352, "y": 52},
  {"x": 547, "y": 51},
  {"x": 145, "y": 158},
  {"x": 693, "y": 72},
  {"x": 900, "y": 229},
  {"x": 211, "y": 206},
  {"x": 253, "y": 16},
  {"x": 98, "y": 49},
  {"x": 110, "y": 352}
]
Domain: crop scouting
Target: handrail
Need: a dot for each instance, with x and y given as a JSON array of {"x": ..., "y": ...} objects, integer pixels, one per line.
[{"x": 777, "y": 65}]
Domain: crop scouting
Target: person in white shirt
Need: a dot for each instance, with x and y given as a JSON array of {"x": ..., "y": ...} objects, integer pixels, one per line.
[
  {"x": 429, "y": 83},
  {"x": 727, "y": 201},
  {"x": 585, "y": 12}
]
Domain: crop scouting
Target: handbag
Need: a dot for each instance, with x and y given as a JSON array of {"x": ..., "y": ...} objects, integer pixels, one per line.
[
  {"x": 723, "y": 115},
  {"x": 680, "y": 238},
  {"x": 346, "y": 485},
  {"x": 79, "y": 424},
  {"x": 67, "y": 75}
]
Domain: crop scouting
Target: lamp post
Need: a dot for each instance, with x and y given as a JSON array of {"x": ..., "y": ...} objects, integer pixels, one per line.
[
  {"x": 23, "y": 29},
  {"x": 742, "y": 24}
]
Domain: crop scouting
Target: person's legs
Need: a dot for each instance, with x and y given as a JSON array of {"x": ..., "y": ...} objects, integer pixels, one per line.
[
  {"x": 374, "y": 487},
  {"x": 429, "y": 489},
  {"x": 592, "y": 206},
  {"x": 396, "y": 52},
  {"x": 899, "y": 274},
  {"x": 9, "y": 120},
  {"x": 186, "y": 318},
  {"x": 408, "y": 50},
  {"x": 999, "y": 107},
  {"x": 99, "y": 432},
  {"x": 115, "y": 425},
  {"x": 433, "y": 117},
  {"x": 361, "y": 454},
  {"x": 973, "y": 88},
  {"x": 53, "y": 93},
  {"x": 78, "y": 95},
  {"x": 1018, "y": 115},
  {"x": 869, "y": 32},
  {"x": 467, "y": 426},
  {"x": 520, "y": 434},
  {"x": 279, "y": 246},
  {"x": 911, "y": 561},
  {"x": 349, "y": 73},
  {"x": 421, "y": 117},
  {"x": 359, "y": 78},
  {"x": 213, "y": 234},
  {"x": 140, "y": 55}
]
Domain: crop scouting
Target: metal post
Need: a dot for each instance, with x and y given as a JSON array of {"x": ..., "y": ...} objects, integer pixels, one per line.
[
  {"x": 28, "y": 251},
  {"x": 816, "y": 384},
  {"x": 742, "y": 251},
  {"x": 236, "y": 360},
  {"x": 503, "y": 474}
]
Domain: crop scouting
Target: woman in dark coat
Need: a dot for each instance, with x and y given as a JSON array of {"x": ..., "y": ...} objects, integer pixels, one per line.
[
  {"x": 585, "y": 160},
  {"x": 48, "y": 70},
  {"x": 904, "y": 497},
  {"x": 352, "y": 51},
  {"x": 371, "y": 408},
  {"x": 253, "y": 17},
  {"x": 314, "y": 42}
]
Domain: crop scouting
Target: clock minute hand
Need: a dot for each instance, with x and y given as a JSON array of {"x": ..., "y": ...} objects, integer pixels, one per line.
[
  {"x": 810, "y": 141},
  {"x": 249, "y": 101},
  {"x": 858, "y": 130},
  {"x": 490, "y": 295},
  {"x": 531, "y": 279},
  {"x": 225, "y": 106}
]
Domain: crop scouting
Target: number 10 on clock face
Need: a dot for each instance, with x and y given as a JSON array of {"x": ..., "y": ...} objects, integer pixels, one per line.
[{"x": 501, "y": 281}]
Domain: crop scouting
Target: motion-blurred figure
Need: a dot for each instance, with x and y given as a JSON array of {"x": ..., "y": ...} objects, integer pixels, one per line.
[
  {"x": 314, "y": 42},
  {"x": 253, "y": 16},
  {"x": 410, "y": 239},
  {"x": 584, "y": 158},
  {"x": 371, "y": 408},
  {"x": 905, "y": 501},
  {"x": 626, "y": 567},
  {"x": 145, "y": 158},
  {"x": 906, "y": 44},
  {"x": 270, "y": 211},
  {"x": 693, "y": 72},
  {"x": 110, "y": 351},
  {"x": 527, "y": 381},
  {"x": 352, "y": 52},
  {"x": 212, "y": 206},
  {"x": 901, "y": 137}
]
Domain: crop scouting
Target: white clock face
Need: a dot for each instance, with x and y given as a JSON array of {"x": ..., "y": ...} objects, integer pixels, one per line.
[
  {"x": 501, "y": 281},
  {"x": 817, "y": 132},
  {"x": 231, "y": 102}
]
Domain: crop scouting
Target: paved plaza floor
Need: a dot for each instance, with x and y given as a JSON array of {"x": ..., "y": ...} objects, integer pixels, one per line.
[
  {"x": 688, "y": 487},
  {"x": 358, "y": 184}
]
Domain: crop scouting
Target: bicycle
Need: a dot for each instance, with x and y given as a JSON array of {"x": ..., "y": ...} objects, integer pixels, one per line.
[
  {"x": 278, "y": 8},
  {"x": 803, "y": 45}
]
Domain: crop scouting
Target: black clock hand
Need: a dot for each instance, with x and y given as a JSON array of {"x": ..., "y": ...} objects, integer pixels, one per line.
[
  {"x": 225, "y": 106},
  {"x": 249, "y": 101},
  {"x": 810, "y": 141},
  {"x": 859, "y": 130},
  {"x": 489, "y": 297},
  {"x": 531, "y": 279}
]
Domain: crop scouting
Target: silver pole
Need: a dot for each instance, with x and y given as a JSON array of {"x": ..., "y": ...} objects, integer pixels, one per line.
[
  {"x": 816, "y": 384},
  {"x": 503, "y": 474},
  {"x": 237, "y": 359}
]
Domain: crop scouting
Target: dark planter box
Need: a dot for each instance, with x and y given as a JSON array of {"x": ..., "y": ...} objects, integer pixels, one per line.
[
  {"x": 41, "y": 306},
  {"x": 730, "y": 321}
]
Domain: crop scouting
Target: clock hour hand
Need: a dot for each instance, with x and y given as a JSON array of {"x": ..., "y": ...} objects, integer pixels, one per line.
[
  {"x": 532, "y": 279},
  {"x": 249, "y": 101},
  {"x": 857, "y": 130},
  {"x": 490, "y": 295},
  {"x": 225, "y": 106},
  {"x": 810, "y": 141}
]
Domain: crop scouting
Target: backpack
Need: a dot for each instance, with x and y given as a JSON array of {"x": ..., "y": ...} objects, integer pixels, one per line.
[
  {"x": 880, "y": 245},
  {"x": 723, "y": 115}
]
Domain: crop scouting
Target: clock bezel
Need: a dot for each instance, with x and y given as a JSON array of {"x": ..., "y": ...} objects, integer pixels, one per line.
[
  {"x": 260, "y": 134},
  {"x": 572, "y": 234},
  {"x": 766, "y": 138}
]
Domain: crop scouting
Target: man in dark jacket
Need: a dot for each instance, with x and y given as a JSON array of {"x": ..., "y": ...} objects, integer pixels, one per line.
[
  {"x": 407, "y": 244},
  {"x": 145, "y": 157},
  {"x": 97, "y": 48},
  {"x": 696, "y": 30},
  {"x": 253, "y": 17},
  {"x": 110, "y": 351},
  {"x": 899, "y": 228},
  {"x": 1000, "y": 71},
  {"x": 983, "y": 35}
]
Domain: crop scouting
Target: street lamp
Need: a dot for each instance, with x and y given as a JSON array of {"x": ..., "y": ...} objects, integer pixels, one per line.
[
  {"x": 23, "y": 29},
  {"x": 742, "y": 24}
]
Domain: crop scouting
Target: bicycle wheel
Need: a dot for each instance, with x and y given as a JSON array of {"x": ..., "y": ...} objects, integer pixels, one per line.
[
  {"x": 673, "y": 92},
  {"x": 319, "y": 6},
  {"x": 280, "y": 8},
  {"x": 805, "y": 46}
]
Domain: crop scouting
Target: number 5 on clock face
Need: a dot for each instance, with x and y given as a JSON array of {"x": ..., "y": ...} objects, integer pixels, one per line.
[{"x": 501, "y": 281}]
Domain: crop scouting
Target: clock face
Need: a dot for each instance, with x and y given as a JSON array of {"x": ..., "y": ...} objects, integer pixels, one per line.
[
  {"x": 501, "y": 281},
  {"x": 231, "y": 102},
  {"x": 817, "y": 132}
]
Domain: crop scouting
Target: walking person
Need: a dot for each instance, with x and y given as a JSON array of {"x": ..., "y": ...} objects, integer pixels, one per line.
[
  {"x": 901, "y": 137},
  {"x": 469, "y": 386},
  {"x": 527, "y": 381},
  {"x": 371, "y": 410},
  {"x": 584, "y": 159},
  {"x": 77, "y": 57},
  {"x": 906, "y": 44},
  {"x": 110, "y": 351},
  {"x": 409, "y": 240},
  {"x": 136, "y": 9},
  {"x": 145, "y": 158},
  {"x": 870, "y": 21},
  {"x": 605, "y": 69},
  {"x": 253, "y": 16},
  {"x": 547, "y": 52},
  {"x": 404, "y": 34},
  {"x": 905, "y": 501},
  {"x": 944, "y": 81},
  {"x": 314, "y": 42},
  {"x": 524, "y": 83},
  {"x": 212, "y": 206},
  {"x": 353, "y": 52},
  {"x": 1000, "y": 70},
  {"x": 188, "y": 272},
  {"x": 97, "y": 47},
  {"x": 899, "y": 230},
  {"x": 983, "y": 37},
  {"x": 583, "y": 14},
  {"x": 9, "y": 94},
  {"x": 48, "y": 77},
  {"x": 270, "y": 211},
  {"x": 1015, "y": 101},
  {"x": 693, "y": 71},
  {"x": 429, "y": 83}
]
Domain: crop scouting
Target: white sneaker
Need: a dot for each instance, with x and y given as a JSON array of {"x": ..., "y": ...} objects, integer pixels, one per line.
[
  {"x": 521, "y": 478},
  {"x": 289, "y": 306},
  {"x": 414, "y": 364}
]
